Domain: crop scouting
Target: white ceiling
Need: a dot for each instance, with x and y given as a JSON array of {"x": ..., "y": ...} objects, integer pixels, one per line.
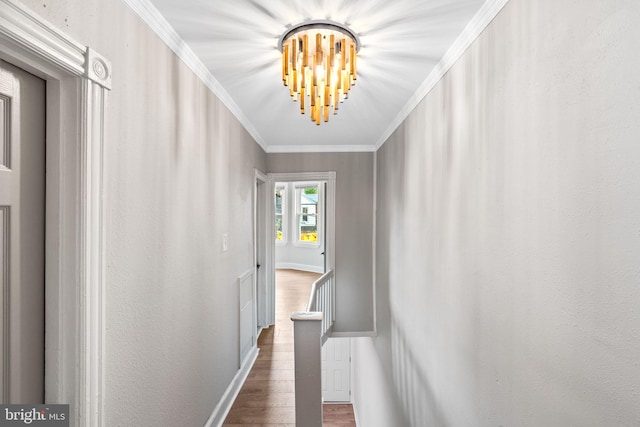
[{"x": 402, "y": 42}]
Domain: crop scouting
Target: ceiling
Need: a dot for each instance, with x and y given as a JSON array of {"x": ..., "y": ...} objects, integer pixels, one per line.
[{"x": 402, "y": 42}]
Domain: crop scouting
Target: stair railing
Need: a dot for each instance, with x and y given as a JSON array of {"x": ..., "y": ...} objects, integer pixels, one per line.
[
  {"x": 322, "y": 299},
  {"x": 311, "y": 329}
]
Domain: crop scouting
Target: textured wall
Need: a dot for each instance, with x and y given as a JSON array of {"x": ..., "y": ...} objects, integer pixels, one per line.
[
  {"x": 508, "y": 230},
  {"x": 354, "y": 226},
  {"x": 178, "y": 174}
]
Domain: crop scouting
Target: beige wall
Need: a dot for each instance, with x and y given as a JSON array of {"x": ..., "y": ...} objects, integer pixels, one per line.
[
  {"x": 354, "y": 229},
  {"x": 508, "y": 218},
  {"x": 179, "y": 171}
]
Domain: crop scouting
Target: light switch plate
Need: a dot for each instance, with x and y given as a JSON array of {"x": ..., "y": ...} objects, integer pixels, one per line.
[{"x": 225, "y": 242}]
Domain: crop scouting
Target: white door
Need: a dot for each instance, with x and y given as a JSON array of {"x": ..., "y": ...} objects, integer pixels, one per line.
[
  {"x": 260, "y": 242},
  {"x": 336, "y": 370},
  {"x": 22, "y": 183}
]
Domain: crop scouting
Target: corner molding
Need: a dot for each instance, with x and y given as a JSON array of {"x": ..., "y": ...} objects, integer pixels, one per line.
[
  {"x": 150, "y": 15},
  {"x": 302, "y": 176},
  {"x": 321, "y": 149},
  {"x": 28, "y": 31},
  {"x": 98, "y": 68},
  {"x": 474, "y": 28}
]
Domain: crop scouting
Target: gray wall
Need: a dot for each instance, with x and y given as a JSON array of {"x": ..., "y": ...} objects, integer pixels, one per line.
[
  {"x": 178, "y": 174},
  {"x": 354, "y": 229},
  {"x": 508, "y": 218}
]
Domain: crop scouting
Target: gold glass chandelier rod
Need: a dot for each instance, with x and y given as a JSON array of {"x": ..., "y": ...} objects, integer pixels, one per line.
[{"x": 319, "y": 72}]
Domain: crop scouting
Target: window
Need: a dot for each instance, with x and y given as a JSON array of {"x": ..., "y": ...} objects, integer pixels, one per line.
[
  {"x": 298, "y": 210},
  {"x": 281, "y": 210},
  {"x": 307, "y": 211}
]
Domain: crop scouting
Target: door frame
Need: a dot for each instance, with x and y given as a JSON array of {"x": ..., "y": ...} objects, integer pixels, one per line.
[
  {"x": 78, "y": 81},
  {"x": 330, "y": 229},
  {"x": 260, "y": 246}
]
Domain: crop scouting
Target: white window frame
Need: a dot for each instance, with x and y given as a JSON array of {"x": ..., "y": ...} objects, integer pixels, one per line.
[
  {"x": 285, "y": 217},
  {"x": 295, "y": 223}
]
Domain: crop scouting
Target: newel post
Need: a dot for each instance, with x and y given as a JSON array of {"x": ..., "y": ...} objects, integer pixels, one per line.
[{"x": 307, "y": 338}]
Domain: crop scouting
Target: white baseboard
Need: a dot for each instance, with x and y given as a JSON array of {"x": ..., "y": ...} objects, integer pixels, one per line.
[
  {"x": 226, "y": 402},
  {"x": 262, "y": 328},
  {"x": 301, "y": 267},
  {"x": 353, "y": 334},
  {"x": 355, "y": 413}
]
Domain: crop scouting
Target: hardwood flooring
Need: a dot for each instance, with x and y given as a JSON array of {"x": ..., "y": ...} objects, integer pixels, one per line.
[{"x": 267, "y": 397}]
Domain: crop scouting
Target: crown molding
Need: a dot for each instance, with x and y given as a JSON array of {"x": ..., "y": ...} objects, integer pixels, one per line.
[
  {"x": 273, "y": 149},
  {"x": 474, "y": 28},
  {"x": 151, "y": 16},
  {"x": 154, "y": 19}
]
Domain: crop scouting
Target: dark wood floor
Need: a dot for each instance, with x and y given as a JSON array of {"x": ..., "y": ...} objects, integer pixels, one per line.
[{"x": 267, "y": 397}]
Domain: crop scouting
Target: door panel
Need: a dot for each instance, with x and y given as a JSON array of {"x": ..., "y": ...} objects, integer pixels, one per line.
[
  {"x": 22, "y": 192},
  {"x": 336, "y": 370},
  {"x": 259, "y": 248}
]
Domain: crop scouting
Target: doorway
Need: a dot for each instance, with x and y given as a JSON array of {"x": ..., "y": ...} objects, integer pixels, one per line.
[
  {"x": 300, "y": 226},
  {"x": 22, "y": 238},
  {"x": 271, "y": 234},
  {"x": 336, "y": 358},
  {"x": 336, "y": 370}
]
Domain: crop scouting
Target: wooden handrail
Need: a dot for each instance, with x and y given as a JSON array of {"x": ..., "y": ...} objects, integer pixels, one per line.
[{"x": 311, "y": 329}]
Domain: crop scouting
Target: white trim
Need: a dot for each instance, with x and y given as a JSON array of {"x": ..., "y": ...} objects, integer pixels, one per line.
[
  {"x": 301, "y": 243},
  {"x": 355, "y": 334},
  {"x": 321, "y": 148},
  {"x": 261, "y": 330},
  {"x": 374, "y": 240},
  {"x": 300, "y": 267},
  {"x": 254, "y": 330},
  {"x": 353, "y": 395},
  {"x": 474, "y": 28},
  {"x": 154, "y": 19},
  {"x": 32, "y": 34},
  {"x": 355, "y": 411},
  {"x": 302, "y": 176},
  {"x": 262, "y": 296},
  {"x": 225, "y": 403},
  {"x": 78, "y": 80},
  {"x": 270, "y": 261},
  {"x": 285, "y": 214}
]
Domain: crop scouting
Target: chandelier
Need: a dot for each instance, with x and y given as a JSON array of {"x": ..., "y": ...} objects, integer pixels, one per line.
[{"x": 319, "y": 66}]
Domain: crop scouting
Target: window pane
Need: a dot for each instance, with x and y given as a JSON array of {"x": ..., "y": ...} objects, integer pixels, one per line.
[
  {"x": 279, "y": 214},
  {"x": 308, "y": 228},
  {"x": 308, "y": 214},
  {"x": 279, "y": 235},
  {"x": 279, "y": 197}
]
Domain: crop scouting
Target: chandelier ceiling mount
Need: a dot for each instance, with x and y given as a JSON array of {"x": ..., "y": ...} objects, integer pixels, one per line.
[{"x": 319, "y": 65}]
